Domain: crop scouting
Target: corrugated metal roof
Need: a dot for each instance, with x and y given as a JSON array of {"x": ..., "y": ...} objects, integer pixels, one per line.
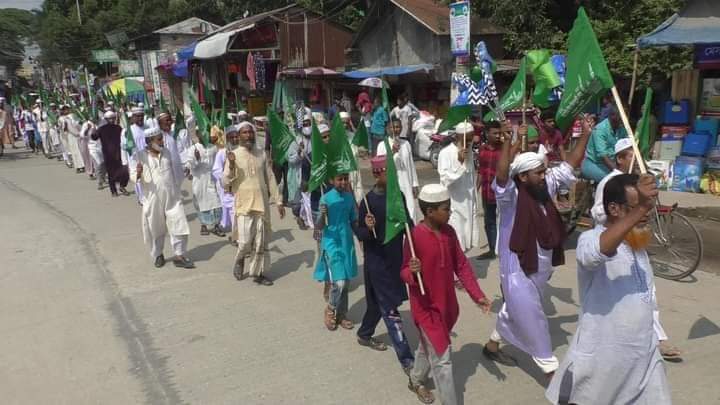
[
  {"x": 436, "y": 17},
  {"x": 191, "y": 26}
]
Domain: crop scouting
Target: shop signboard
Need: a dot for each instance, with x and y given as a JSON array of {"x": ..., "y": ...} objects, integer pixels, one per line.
[
  {"x": 130, "y": 68},
  {"x": 707, "y": 56},
  {"x": 105, "y": 56},
  {"x": 460, "y": 28}
]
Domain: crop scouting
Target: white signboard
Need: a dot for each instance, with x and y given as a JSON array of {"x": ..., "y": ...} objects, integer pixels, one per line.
[{"x": 460, "y": 28}]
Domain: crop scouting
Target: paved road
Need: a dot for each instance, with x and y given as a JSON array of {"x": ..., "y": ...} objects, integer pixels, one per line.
[{"x": 87, "y": 319}]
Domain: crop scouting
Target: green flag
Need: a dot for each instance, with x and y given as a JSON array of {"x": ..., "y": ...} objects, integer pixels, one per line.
[
  {"x": 361, "y": 138},
  {"x": 587, "y": 74},
  {"x": 280, "y": 137},
  {"x": 179, "y": 122},
  {"x": 546, "y": 78},
  {"x": 513, "y": 97},
  {"x": 318, "y": 167},
  {"x": 385, "y": 98},
  {"x": 129, "y": 138},
  {"x": 208, "y": 94},
  {"x": 643, "y": 127},
  {"x": 163, "y": 105},
  {"x": 395, "y": 214},
  {"x": 224, "y": 121},
  {"x": 339, "y": 152},
  {"x": 456, "y": 114},
  {"x": 201, "y": 119}
]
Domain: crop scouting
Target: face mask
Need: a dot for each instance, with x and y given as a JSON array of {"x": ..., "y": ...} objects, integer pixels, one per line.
[
  {"x": 306, "y": 131},
  {"x": 156, "y": 147}
]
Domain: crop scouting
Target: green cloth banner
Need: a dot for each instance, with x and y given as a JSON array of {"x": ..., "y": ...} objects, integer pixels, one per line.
[
  {"x": 643, "y": 127},
  {"x": 339, "y": 152},
  {"x": 319, "y": 166},
  {"x": 396, "y": 214},
  {"x": 513, "y": 97},
  {"x": 280, "y": 137},
  {"x": 544, "y": 74},
  {"x": 456, "y": 114},
  {"x": 361, "y": 138}
]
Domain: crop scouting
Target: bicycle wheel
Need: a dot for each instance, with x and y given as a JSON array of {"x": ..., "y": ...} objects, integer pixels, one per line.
[{"x": 677, "y": 247}]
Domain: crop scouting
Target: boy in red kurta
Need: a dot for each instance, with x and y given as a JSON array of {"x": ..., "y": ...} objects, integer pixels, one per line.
[{"x": 439, "y": 258}]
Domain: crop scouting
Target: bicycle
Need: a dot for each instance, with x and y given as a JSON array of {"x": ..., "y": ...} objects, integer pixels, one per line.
[{"x": 676, "y": 249}]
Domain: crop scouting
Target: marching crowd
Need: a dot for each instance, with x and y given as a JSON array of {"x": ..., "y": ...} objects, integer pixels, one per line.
[{"x": 517, "y": 174}]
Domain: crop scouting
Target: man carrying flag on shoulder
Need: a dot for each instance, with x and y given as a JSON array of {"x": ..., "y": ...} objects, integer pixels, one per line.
[{"x": 403, "y": 157}]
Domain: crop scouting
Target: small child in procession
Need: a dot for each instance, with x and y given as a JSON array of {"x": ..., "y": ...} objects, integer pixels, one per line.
[
  {"x": 337, "y": 263},
  {"x": 437, "y": 258}
]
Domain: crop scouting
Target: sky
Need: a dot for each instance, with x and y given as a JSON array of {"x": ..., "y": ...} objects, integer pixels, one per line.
[{"x": 23, "y": 4}]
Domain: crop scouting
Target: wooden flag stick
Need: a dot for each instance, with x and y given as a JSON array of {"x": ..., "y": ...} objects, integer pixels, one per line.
[
  {"x": 626, "y": 123},
  {"x": 464, "y": 135},
  {"x": 634, "y": 77},
  {"x": 412, "y": 250},
  {"x": 365, "y": 197}
]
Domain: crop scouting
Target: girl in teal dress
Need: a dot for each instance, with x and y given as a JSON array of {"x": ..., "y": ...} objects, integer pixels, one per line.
[{"x": 337, "y": 263}]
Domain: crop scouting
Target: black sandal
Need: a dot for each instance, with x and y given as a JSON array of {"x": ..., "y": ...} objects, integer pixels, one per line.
[
  {"x": 372, "y": 343},
  {"x": 423, "y": 394}
]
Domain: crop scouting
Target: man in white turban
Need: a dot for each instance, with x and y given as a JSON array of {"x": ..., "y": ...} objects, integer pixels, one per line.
[
  {"x": 530, "y": 244},
  {"x": 456, "y": 167},
  {"x": 249, "y": 176},
  {"x": 405, "y": 165}
]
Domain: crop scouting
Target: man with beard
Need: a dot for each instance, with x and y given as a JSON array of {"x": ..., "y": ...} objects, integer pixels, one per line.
[
  {"x": 165, "y": 122},
  {"x": 137, "y": 129},
  {"x": 109, "y": 136},
  {"x": 162, "y": 208},
  {"x": 614, "y": 357},
  {"x": 530, "y": 244},
  {"x": 623, "y": 159},
  {"x": 250, "y": 177},
  {"x": 299, "y": 168}
]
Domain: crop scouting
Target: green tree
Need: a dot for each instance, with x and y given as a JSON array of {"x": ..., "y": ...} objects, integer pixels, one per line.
[{"x": 15, "y": 26}]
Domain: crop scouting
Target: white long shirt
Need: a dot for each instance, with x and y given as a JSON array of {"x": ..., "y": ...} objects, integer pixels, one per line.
[
  {"x": 459, "y": 179},
  {"x": 613, "y": 356},
  {"x": 407, "y": 176},
  {"x": 204, "y": 188}
]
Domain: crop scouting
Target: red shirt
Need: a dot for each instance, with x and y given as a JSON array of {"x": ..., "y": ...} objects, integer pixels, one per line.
[
  {"x": 487, "y": 165},
  {"x": 553, "y": 140},
  {"x": 441, "y": 257}
]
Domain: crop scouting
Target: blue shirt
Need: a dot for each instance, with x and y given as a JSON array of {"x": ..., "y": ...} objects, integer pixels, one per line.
[
  {"x": 602, "y": 141},
  {"x": 337, "y": 248},
  {"x": 379, "y": 122}
]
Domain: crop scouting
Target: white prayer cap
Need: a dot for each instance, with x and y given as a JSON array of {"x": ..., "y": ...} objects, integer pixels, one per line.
[
  {"x": 110, "y": 103},
  {"x": 622, "y": 144},
  {"x": 434, "y": 193},
  {"x": 152, "y": 131},
  {"x": 232, "y": 116},
  {"x": 242, "y": 112},
  {"x": 163, "y": 115},
  {"x": 323, "y": 128},
  {"x": 53, "y": 105},
  {"x": 141, "y": 105},
  {"x": 525, "y": 162},
  {"x": 38, "y": 101},
  {"x": 307, "y": 117},
  {"x": 344, "y": 115},
  {"x": 245, "y": 124},
  {"x": 137, "y": 111},
  {"x": 464, "y": 128},
  {"x": 109, "y": 115}
]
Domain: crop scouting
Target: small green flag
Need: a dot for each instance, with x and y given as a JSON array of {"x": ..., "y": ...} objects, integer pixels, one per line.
[
  {"x": 456, "y": 114},
  {"x": 385, "y": 98},
  {"x": 546, "y": 78},
  {"x": 587, "y": 75},
  {"x": 280, "y": 137},
  {"x": 643, "y": 127},
  {"x": 513, "y": 97},
  {"x": 208, "y": 94},
  {"x": 129, "y": 138},
  {"x": 395, "y": 214},
  {"x": 339, "y": 152},
  {"x": 201, "y": 119},
  {"x": 319, "y": 166},
  {"x": 179, "y": 122},
  {"x": 361, "y": 138}
]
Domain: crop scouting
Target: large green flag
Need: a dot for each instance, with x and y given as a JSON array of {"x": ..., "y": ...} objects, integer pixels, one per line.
[
  {"x": 361, "y": 138},
  {"x": 129, "y": 138},
  {"x": 587, "y": 75},
  {"x": 179, "y": 122},
  {"x": 395, "y": 214},
  {"x": 201, "y": 119},
  {"x": 281, "y": 138},
  {"x": 544, "y": 74},
  {"x": 318, "y": 168},
  {"x": 643, "y": 127},
  {"x": 513, "y": 97},
  {"x": 339, "y": 152},
  {"x": 208, "y": 93},
  {"x": 456, "y": 114}
]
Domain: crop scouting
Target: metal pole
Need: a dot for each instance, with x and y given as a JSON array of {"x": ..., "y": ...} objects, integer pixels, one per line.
[{"x": 77, "y": 3}]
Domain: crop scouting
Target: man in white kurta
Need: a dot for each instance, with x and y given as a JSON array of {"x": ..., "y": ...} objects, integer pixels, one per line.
[
  {"x": 405, "y": 165},
  {"x": 95, "y": 149},
  {"x": 137, "y": 129},
  {"x": 250, "y": 177},
  {"x": 63, "y": 132},
  {"x": 456, "y": 168},
  {"x": 72, "y": 127},
  {"x": 355, "y": 177},
  {"x": 171, "y": 145},
  {"x": 162, "y": 208},
  {"x": 526, "y": 269},
  {"x": 200, "y": 161},
  {"x": 41, "y": 119},
  {"x": 613, "y": 357}
]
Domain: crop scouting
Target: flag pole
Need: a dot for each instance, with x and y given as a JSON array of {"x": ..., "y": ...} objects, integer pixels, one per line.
[
  {"x": 359, "y": 172},
  {"x": 634, "y": 76},
  {"x": 626, "y": 123},
  {"x": 523, "y": 141},
  {"x": 412, "y": 250}
]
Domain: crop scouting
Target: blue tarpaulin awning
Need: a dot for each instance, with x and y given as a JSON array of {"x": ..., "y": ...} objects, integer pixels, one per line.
[
  {"x": 187, "y": 52},
  {"x": 387, "y": 71},
  {"x": 697, "y": 23}
]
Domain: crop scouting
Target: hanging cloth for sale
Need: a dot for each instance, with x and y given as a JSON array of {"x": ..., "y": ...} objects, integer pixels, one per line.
[
  {"x": 260, "y": 80},
  {"x": 250, "y": 70}
]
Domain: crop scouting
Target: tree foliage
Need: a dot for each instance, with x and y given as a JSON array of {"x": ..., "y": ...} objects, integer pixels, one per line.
[{"x": 15, "y": 26}]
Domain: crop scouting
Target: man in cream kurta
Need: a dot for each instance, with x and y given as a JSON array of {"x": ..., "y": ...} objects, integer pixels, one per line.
[
  {"x": 162, "y": 208},
  {"x": 407, "y": 176},
  {"x": 459, "y": 178},
  {"x": 72, "y": 127},
  {"x": 251, "y": 179}
]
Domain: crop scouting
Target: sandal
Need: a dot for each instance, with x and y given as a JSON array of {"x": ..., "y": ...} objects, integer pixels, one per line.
[
  {"x": 204, "y": 231},
  {"x": 218, "y": 232},
  {"x": 669, "y": 352},
  {"x": 330, "y": 321},
  {"x": 372, "y": 343},
  {"x": 423, "y": 394},
  {"x": 346, "y": 324}
]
